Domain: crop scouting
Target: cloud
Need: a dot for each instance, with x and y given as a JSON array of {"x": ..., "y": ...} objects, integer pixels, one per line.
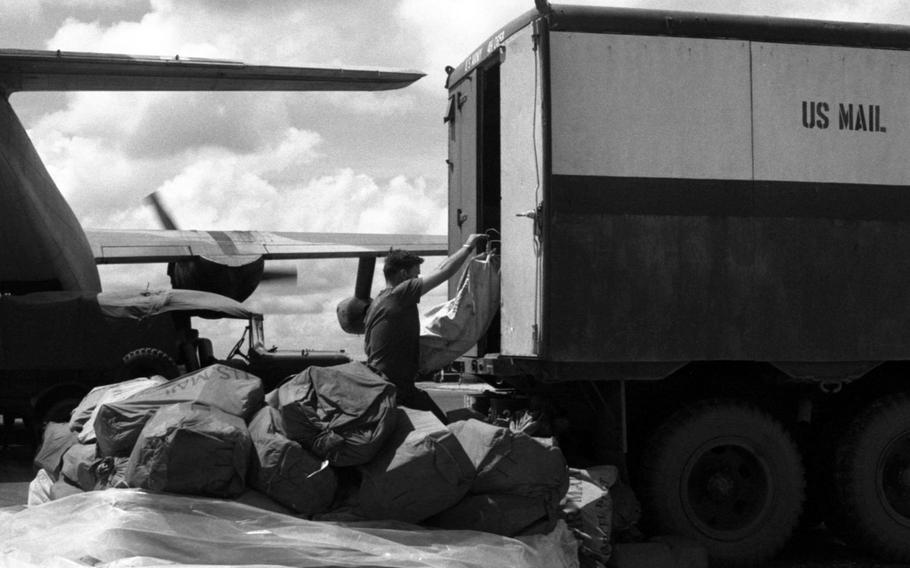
[
  {"x": 343, "y": 202},
  {"x": 383, "y": 104},
  {"x": 95, "y": 180},
  {"x": 838, "y": 10},
  {"x": 94, "y": 4},
  {"x": 99, "y": 138},
  {"x": 171, "y": 122},
  {"x": 22, "y": 9},
  {"x": 281, "y": 32},
  {"x": 449, "y": 30}
]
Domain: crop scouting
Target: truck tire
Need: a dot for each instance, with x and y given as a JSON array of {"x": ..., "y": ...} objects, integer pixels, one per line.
[
  {"x": 60, "y": 411},
  {"x": 872, "y": 480},
  {"x": 727, "y": 475},
  {"x": 148, "y": 361}
]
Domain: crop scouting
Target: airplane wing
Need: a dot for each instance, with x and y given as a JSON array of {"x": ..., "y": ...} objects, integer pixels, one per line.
[
  {"x": 113, "y": 246},
  {"x": 36, "y": 70}
]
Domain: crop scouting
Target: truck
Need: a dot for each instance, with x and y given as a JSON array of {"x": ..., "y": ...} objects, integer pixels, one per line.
[{"x": 704, "y": 227}]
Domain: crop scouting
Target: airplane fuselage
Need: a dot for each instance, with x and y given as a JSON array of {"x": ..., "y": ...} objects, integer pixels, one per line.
[{"x": 44, "y": 246}]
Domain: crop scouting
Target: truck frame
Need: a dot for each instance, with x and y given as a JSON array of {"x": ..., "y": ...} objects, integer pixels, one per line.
[{"x": 705, "y": 229}]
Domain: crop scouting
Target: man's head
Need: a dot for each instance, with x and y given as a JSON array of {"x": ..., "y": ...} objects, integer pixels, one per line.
[{"x": 401, "y": 265}]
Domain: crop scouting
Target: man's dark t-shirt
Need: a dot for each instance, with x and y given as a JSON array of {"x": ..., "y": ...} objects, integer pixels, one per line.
[{"x": 392, "y": 336}]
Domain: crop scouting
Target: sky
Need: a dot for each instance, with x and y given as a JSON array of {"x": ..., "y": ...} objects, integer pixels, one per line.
[{"x": 347, "y": 162}]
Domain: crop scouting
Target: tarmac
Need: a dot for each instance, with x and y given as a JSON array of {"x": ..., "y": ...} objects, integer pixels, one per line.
[{"x": 16, "y": 469}]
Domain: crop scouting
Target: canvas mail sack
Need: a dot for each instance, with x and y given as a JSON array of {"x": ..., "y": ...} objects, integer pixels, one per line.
[
  {"x": 449, "y": 329},
  {"x": 231, "y": 390},
  {"x": 191, "y": 448},
  {"x": 56, "y": 440},
  {"x": 504, "y": 514},
  {"x": 513, "y": 462},
  {"x": 421, "y": 471},
  {"x": 588, "y": 510},
  {"x": 82, "y": 420},
  {"x": 84, "y": 468},
  {"x": 519, "y": 483},
  {"x": 286, "y": 472},
  {"x": 342, "y": 413}
]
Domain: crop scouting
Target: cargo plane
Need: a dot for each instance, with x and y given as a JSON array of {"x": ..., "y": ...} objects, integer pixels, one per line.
[{"x": 45, "y": 247}]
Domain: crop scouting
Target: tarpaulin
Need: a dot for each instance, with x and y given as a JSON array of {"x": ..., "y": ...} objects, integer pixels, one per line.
[
  {"x": 152, "y": 302},
  {"x": 503, "y": 514},
  {"x": 128, "y": 527}
]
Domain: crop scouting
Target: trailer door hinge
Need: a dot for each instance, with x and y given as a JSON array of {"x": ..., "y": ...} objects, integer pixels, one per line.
[{"x": 460, "y": 217}]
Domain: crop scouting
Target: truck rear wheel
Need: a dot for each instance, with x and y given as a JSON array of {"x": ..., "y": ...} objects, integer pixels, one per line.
[
  {"x": 727, "y": 475},
  {"x": 872, "y": 480}
]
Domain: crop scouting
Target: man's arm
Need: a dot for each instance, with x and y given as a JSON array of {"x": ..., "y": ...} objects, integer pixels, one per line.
[{"x": 450, "y": 266}]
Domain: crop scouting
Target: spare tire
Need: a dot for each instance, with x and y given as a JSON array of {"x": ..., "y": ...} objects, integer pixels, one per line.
[{"x": 148, "y": 361}]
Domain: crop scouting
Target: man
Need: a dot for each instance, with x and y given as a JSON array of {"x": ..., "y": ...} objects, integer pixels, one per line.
[{"x": 392, "y": 323}]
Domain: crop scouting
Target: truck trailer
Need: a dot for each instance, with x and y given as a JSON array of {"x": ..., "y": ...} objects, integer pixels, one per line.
[{"x": 705, "y": 248}]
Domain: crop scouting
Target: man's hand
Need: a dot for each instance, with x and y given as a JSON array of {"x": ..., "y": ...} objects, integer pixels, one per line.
[
  {"x": 474, "y": 239},
  {"x": 451, "y": 265}
]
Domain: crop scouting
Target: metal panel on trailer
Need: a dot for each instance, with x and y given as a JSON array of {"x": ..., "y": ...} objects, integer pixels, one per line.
[
  {"x": 828, "y": 114},
  {"x": 650, "y": 106},
  {"x": 638, "y": 120},
  {"x": 521, "y": 188},
  {"x": 665, "y": 247},
  {"x": 831, "y": 207}
]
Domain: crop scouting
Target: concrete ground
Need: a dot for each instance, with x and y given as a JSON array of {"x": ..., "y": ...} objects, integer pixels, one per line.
[{"x": 16, "y": 470}]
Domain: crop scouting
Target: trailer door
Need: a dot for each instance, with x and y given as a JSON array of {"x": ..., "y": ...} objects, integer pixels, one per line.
[
  {"x": 474, "y": 168},
  {"x": 461, "y": 118},
  {"x": 521, "y": 195}
]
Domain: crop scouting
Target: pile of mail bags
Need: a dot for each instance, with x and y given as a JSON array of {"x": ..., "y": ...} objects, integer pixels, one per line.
[{"x": 328, "y": 444}]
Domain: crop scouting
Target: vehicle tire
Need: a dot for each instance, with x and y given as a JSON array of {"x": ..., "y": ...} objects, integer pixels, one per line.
[
  {"x": 59, "y": 411},
  {"x": 871, "y": 488},
  {"x": 148, "y": 361},
  {"x": 728, "y": 475}
]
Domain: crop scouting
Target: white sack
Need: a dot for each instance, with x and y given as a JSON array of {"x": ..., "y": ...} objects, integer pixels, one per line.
[{"x": 449, "y": 329}]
